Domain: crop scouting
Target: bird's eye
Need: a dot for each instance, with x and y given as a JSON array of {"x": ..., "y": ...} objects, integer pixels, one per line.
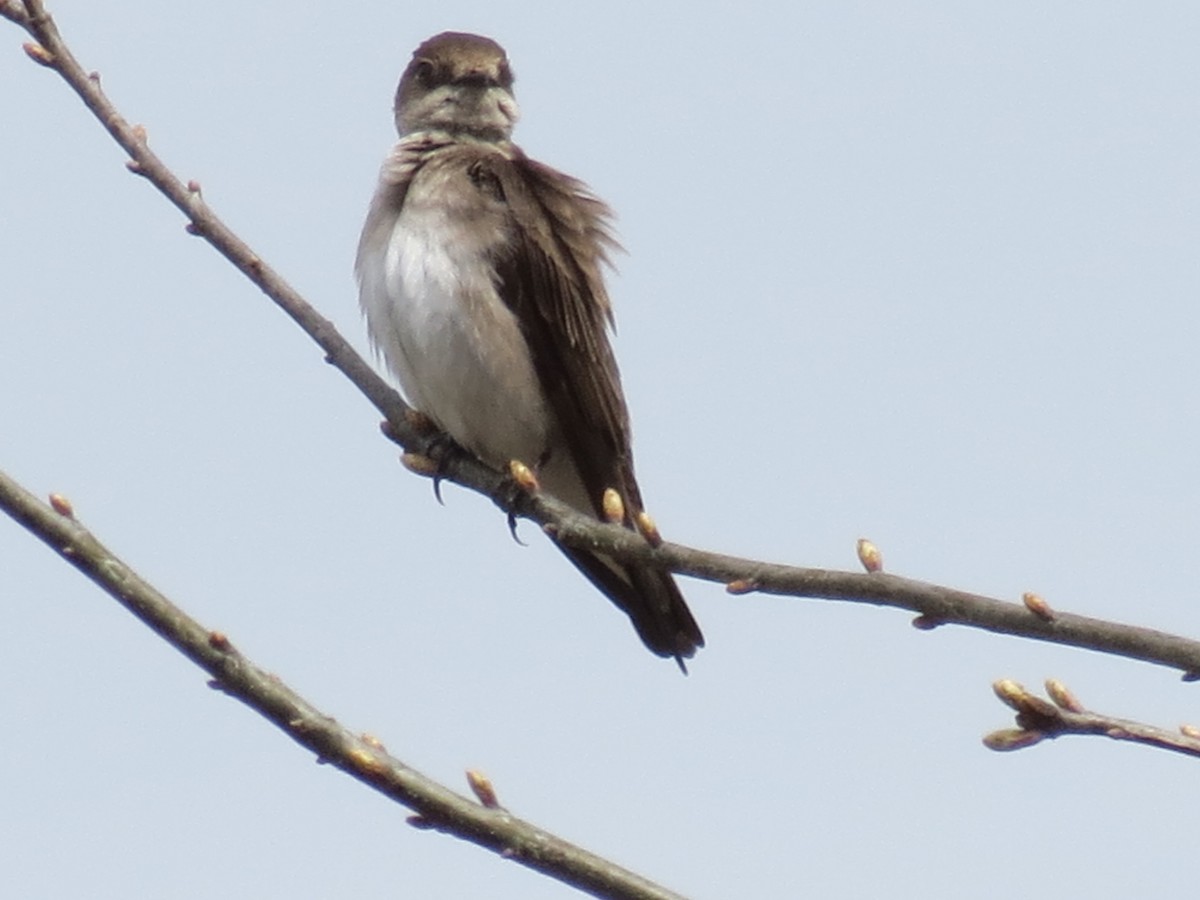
[{"x": 423, "y": 71}]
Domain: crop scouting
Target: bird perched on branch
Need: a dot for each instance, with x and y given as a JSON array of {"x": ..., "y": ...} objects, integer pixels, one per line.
[{"x": 479, "y": 272}]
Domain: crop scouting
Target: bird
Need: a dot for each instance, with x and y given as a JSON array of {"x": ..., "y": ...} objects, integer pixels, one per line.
[{"x": 480, "y": 277}]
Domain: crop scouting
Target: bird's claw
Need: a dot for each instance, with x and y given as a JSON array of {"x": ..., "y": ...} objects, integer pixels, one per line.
[{"x": 512, "y": 528}]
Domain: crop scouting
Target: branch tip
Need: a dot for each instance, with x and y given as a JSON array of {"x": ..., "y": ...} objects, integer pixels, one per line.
[
  {"x": 1007, "y": 739},
  {"x": 1062, "y": 696},
  {"x": 1011, "y": 693}
]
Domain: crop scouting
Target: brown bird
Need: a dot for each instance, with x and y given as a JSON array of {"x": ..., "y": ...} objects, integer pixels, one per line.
[{"x": 479, "y": 272}]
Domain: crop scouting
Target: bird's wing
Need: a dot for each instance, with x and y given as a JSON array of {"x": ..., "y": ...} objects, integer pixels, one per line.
[{"x": 549, "y": 275}]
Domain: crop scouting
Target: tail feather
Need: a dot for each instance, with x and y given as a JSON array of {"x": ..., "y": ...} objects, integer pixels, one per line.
[{"x": 649, "y": 597}]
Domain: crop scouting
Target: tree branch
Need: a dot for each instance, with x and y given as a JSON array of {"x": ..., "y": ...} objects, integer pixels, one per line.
[
  {"x": 934, "y": 604},
  {"x": 361, "y": 757},
  {"x": 53, "y": 53},
  {"x": 1039, "y": 719}
]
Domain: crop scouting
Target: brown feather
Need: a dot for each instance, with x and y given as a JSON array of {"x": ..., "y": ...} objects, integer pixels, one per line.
[{"x": 550, "y": 276}]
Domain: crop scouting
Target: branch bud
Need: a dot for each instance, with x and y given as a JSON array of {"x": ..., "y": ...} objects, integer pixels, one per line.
[
  {"x": 1014, "y": 695},
  {"x": 1011, "y": 693},
  {"x": 365, "y": 762},
  {"x": 38, "y": 54},
  {"x": 419, "y": 464},
  {"x": 613, "y": 505},
  {"x": 481, "y": 787},
  {"x": 869, "y": 555},
  {"x": 741, "y": 586},
  {"x": 1062, "y": 696},
  {"x": 647, "y": 529},
  {"x": 524, "y": 477},
  {"x": 62, "y": 506},
  {"x": 1038, "y": 606},
  {"x": 219, "y": 641},
  {"x": 1011, "y": 739}
]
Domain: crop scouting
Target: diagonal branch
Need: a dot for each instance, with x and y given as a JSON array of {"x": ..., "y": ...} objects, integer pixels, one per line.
[
  {"x": 935, "y": 605},
  {"x": 52, "y": 52},
  {"x": 361, "y": 757}
]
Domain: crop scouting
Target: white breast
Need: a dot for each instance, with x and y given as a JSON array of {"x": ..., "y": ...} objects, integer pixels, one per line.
[{"x": 435, "y": 316}]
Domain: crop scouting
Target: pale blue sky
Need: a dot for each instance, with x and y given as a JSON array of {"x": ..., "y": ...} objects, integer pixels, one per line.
[{"x": 922, "y": 272}]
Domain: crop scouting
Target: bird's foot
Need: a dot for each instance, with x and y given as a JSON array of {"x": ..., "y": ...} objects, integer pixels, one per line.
[
  {"x": 414, "y": 419},
  {"x": 434, "y": 459},
  {"x": 522, "y": 481},
  {"x": 442, "y": 448}
]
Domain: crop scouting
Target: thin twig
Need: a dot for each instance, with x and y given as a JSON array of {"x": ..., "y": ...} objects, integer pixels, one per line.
[
  {"x": 361, "y": 757},
  {"x": 1039, "y": 719},
  {"x": 935, "y": 605}
]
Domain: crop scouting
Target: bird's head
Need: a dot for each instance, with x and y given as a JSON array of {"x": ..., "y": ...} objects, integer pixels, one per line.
[{"x": 458, "y": 83}]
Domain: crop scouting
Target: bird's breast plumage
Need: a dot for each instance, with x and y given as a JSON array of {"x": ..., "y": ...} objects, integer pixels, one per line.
[{"x": 428, "y": 287}]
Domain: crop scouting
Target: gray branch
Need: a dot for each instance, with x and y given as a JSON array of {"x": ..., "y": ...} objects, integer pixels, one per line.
[{"x": 484, "y": 823}]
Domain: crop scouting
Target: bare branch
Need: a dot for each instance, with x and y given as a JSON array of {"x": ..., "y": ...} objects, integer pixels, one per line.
[
  {"x": 14, "y": 12},
  {"x": 935, "y": 605},
  {"x": 1039, "y": 719},
  {"x": 52, "y": 52},
  {"x": 361, "y": 757}
]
